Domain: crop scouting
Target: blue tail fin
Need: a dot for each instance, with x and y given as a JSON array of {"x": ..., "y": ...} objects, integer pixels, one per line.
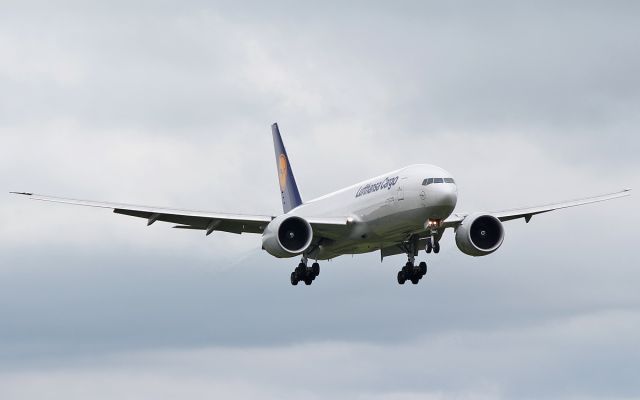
[{"x": 288, "y": 188}]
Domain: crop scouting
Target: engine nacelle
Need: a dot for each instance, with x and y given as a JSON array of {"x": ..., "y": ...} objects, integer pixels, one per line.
[
  {"x": 479, "y": 235},
  {"x": 287, "y": 236}
]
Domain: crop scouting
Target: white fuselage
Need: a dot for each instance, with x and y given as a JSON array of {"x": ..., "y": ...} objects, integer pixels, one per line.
[{"x": 385, "y": 209}]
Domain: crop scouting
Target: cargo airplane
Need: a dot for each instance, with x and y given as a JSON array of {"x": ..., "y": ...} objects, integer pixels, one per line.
[{"x": 400, "y": 212}]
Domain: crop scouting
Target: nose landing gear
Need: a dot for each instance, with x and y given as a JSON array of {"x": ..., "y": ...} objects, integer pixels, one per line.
[{"x": 432, "y": 245}]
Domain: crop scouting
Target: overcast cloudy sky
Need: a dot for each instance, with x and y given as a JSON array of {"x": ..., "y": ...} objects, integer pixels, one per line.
[{"x": 169, "y": 103}]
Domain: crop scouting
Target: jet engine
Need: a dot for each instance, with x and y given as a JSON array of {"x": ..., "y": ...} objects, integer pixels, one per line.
[
  {"x": 287, "y": 236},
  {"x": 479, "y": 235}
]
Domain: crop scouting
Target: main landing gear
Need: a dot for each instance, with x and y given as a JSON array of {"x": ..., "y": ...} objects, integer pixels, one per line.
[
  {"x": 411, "y": 272},
  {"x": 304, "y": 273}
]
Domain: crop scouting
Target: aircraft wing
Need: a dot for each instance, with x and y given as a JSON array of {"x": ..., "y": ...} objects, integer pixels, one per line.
[
  {"x": 184, "y": 219},
  {"x": 526, "y": 213},
  {"x": 198, "y": 220},
  {"x": 189, "y": 219}
]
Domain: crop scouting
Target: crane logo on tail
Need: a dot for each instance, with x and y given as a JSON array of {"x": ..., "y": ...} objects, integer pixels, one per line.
[{"x": 282, "y": 171}]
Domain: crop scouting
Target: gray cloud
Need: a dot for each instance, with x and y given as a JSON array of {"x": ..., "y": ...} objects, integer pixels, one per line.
[
  {"x": 537, "y": 361},
  {"x": 169, "y": 104}
]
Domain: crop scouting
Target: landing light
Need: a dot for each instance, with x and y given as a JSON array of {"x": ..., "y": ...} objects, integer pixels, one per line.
[{"x": 433, "y": 223}]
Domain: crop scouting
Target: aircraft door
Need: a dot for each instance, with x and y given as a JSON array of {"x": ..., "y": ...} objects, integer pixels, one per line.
[{"x": 400, "y": 190}]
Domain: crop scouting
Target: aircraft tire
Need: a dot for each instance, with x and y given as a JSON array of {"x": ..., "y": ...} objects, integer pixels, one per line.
[
  {"x": 294, "y": 278},
  {"x": 423, "y": 268},
  {"x": 408, "y": 270},
  {"x": 436, "y": 247},
  {"x": 315, "y": 269},
  {"x": 415, "y": 280},
  {"x": 401, "y": 277}
]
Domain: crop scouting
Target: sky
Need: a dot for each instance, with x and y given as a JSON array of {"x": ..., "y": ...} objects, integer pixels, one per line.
[{"x": 170, "y": 103}]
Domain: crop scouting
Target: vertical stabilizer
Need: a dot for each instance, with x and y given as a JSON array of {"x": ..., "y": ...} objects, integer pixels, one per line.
[{"x": 288, "y": 188}]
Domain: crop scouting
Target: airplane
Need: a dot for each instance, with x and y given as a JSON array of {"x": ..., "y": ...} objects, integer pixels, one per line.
[{"x": 400, "y": 212}]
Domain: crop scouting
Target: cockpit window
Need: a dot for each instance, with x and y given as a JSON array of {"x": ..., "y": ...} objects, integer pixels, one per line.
[{"x": 429, "y": 181}]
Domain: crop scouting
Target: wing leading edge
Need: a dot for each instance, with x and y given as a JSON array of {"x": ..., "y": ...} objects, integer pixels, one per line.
[
  {"x": 528, "y": 212},
  {"x": 506, "y": 215},
  {"x": 190, "y": 219}
]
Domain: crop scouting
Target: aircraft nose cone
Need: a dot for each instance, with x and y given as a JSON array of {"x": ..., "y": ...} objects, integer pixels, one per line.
[
  {"x": 441, "y": 200},
  {"x": 446, "y": 195}
]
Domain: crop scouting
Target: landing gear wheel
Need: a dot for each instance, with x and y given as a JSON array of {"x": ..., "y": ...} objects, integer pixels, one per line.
[
  {"x": 415, "y": 280},
  {"x": 401, "y": 277},
  {"x": 436, "y": 247},
  {"x": 429, "y": 246},
  {"x": 303, "y": 273},
  {"x": 423, "y": 268},
  {"x": 315, "y": 269}
]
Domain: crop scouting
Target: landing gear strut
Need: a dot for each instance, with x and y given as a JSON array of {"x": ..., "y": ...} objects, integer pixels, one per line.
[
  {"x": 304, "y": 273},
  {"x": 411, "y": 272},
  {"x": 433, "y": 244}
]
